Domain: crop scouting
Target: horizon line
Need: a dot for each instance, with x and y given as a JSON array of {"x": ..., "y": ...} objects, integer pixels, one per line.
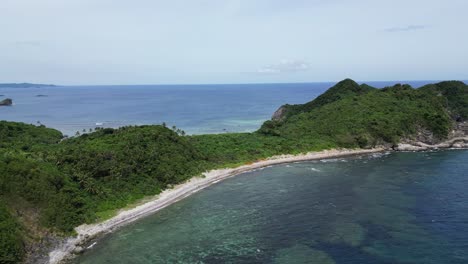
[{"x": 246, "y": 83}]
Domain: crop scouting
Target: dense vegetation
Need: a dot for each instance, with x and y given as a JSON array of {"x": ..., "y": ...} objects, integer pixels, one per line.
[
  {"x": 364, "y": 116},
  {"x": 455, "y": 94},
  {"x": 343, "y": 89},
  {"x": 85, "y": 179},
  {"x": 11, "y": 246}
]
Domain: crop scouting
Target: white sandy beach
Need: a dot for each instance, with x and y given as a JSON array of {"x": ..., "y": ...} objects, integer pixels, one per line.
[{"x": 170, "y": 196}]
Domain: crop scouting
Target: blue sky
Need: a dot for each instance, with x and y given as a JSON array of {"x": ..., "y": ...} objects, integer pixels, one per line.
[{"x": 231, "y": 41}]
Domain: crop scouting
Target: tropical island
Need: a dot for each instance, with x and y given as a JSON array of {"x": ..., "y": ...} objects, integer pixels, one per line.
[{"x": 50, "y": 185}]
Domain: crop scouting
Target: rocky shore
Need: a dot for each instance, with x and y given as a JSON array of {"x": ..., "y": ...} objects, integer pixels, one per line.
[{"x": 458, "y": 142}]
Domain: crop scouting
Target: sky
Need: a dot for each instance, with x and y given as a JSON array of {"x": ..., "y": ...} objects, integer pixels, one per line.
[{"x": 79, "y": 42}]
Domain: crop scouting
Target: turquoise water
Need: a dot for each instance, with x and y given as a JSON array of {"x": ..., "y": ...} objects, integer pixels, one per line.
[
  {"x": 193, "y": 108},
  {"x": 390, "y": 208}
]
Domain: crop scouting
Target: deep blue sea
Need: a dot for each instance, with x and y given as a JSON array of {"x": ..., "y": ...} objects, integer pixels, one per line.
[
  {"x": 194, "y": 108},
  {"x": 397, "y": 208}
]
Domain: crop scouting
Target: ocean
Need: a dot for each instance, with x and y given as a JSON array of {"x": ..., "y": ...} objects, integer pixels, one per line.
[
  {"x": 197, "y": 109},
  {"x": 383, "y": 208}
]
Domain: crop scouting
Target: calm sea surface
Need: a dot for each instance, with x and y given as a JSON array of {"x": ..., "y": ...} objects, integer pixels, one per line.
[
  {"x": 395, "y": 208},
  {"x": 193, "y": 108}
]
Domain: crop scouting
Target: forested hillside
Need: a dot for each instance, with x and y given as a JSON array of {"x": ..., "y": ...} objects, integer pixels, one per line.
[
  {"x": 51, "y": 185},
  {"x": 364, "y": 116}
]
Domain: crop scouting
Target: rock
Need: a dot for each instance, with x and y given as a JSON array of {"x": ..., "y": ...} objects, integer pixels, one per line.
[
  {"x": 347, "y": 233},
  {"x": 443, "y": 145},
  {"x": 409, "y": 147},
  {"x": 460, "y": 145},
  {"x": 279, "y": 114},
  {"x": 78, "y": 250},
  {"x": 462, "y": 128},
  {"x": 302, "y": 254},
  {"x": 6, "y": 102}
]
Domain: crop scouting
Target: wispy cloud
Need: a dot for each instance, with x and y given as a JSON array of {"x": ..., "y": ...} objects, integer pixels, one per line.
[
  {"x": 406, "y": 28},
  {"x": 285, "y": 66}
]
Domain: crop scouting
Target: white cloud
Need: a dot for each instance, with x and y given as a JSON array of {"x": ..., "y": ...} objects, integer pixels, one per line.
[
  {"x": 285, "y": 66},
  {"x": 407, "y": 28}
]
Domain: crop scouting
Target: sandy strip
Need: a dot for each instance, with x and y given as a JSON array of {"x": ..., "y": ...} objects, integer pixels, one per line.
[{"x": 170, "y": 196}]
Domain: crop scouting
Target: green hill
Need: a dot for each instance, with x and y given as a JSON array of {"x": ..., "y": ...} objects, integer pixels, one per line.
[
  {"x": 350, "y": 115},
  {"x": 456, "y": 95},
  {"x": 341, "y": 90},
  {"x": 51, "y": 185}
]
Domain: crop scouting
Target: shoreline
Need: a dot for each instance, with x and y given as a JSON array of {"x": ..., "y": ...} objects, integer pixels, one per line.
[
  {"x": 456, "y": 142},
  {"x": 85, "y": 233}
]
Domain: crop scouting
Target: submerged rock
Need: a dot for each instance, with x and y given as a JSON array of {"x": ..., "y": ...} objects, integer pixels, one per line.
[
  {"x": 302, "y": 254},
  {"x": 347, "y": 233},
  {"x": 6, "y": 102}
]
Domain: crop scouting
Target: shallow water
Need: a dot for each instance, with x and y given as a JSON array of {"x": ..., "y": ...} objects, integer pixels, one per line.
[
  {"x": 193, "y": 108},
  {"x": 396, "y": 208}
]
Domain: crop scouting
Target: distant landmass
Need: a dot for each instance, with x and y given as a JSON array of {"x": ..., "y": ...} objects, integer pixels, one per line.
[{"x": 25, "y": 85}]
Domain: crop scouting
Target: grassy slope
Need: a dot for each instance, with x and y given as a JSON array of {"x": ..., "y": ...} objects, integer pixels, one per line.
[{"x": 83, "y": 179}]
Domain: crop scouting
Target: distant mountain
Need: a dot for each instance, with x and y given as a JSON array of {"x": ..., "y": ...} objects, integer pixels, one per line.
[{"x": 24, "y": 85}]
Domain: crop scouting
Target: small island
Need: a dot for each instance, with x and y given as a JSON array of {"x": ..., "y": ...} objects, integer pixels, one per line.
[
  {"x": 6, "y": 102},
  {"x": 50, "y": 185}
]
